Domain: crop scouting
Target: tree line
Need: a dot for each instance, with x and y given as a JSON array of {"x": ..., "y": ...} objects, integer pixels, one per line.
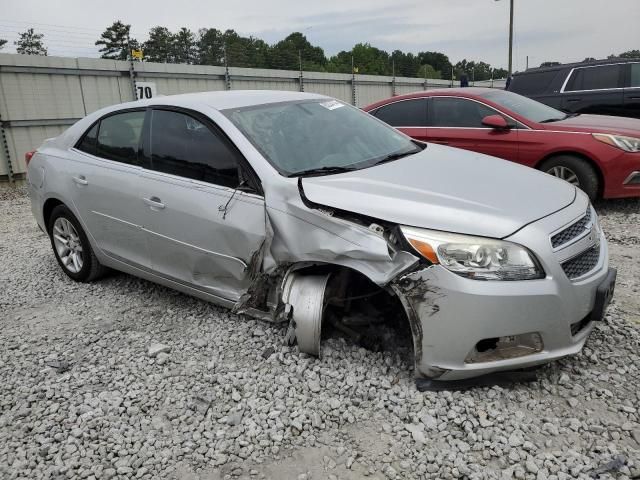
[{"x": 210, "y": 46}]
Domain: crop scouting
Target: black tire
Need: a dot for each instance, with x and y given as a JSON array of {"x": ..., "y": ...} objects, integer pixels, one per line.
[
  {"x": 91, "y": 268},
  {"x": 587, "y": 177}
]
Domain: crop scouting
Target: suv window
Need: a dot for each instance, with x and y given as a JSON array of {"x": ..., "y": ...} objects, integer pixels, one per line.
[
  {"x": 635, "y": 75},
  {"x": 183, "y": 146},
  {"x": 532, "y": 83},
  {"x": 595, "y": 78},
  {"x": 405, "y": 113},
  {"x": 119, "y": 137},
  {"x": 457, "y": 112}
]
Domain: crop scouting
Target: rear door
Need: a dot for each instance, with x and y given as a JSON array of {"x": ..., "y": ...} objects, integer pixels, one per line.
[
  {"x": 457, "y": 122},
  {"x": 597, "y": 89},
  {"x": 409, "y": 116},
  {"x": 205, "y": 214},
  {"x": 632, "y": 91},
  {"x": 104, "y": 180}
]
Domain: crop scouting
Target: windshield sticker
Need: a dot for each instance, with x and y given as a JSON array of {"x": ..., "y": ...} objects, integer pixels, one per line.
[{"x": 332, "y": 104}]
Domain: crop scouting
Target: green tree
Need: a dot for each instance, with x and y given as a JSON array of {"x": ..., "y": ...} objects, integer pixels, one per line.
[
  {"x": 406, "y": 64},
  {"x": 427, "y": 71},
  {"x": 159, "y": 46},
  {"x": 210, "y": 46},
  {"x": 249, "y": 52},
  {"x": 439, "y": 61},
  {"x": 115, "y": 41},
  {"x": 500, "y": 73},
  {"x": 2, "y": 43},
  {"x": 630, "y": 54},
  {"x": 185, "y": 48},
  {"x": 286, "y": 54},
  {"x": 30, "y": 43},
  {"x": 366, "y": 59},
  {"x": 549, "y": 64}
]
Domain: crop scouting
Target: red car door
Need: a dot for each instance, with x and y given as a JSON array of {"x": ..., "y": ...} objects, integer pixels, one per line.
[
  {"x": 409, "y": 116},
  {"x": 457, "y": 122}
]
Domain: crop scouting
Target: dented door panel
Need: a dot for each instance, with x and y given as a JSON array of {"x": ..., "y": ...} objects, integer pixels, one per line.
[{"x": 192, "y": 241}]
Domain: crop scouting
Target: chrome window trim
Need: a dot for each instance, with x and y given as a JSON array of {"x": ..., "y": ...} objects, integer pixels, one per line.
[{"x": 566, "y": 80}]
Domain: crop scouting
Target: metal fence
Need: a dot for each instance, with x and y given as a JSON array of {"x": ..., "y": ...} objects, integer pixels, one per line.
[{"x": 41, "y": 96}]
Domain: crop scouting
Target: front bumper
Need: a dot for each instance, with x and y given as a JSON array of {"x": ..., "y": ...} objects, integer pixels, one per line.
[{"x": 451, "y": 314}]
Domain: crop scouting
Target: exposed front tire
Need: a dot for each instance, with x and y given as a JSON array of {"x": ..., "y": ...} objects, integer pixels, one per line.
[
  {"x": 71, "y": 246},
  {"x": 574, "y": 170}
]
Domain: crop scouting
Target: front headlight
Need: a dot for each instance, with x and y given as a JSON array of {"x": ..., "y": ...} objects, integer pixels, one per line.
[
  {"x": 628, "y": 144},
  {"x": 478, "y": 258}
]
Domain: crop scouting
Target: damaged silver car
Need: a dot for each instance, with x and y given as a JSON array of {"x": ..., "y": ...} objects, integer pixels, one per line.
[{"x": 294, "y": 207}]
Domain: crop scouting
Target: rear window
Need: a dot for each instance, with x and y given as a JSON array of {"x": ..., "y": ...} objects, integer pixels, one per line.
[
  {"x": 532, "y": 83},
  {"x": 595, "y": 78},
  {"x": 405, "y": 113},
  {"x": 119, "y": 137}
]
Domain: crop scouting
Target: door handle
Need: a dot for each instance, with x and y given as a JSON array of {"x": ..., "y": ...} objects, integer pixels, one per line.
[
  {"x": 81, "y": 180},
  {"x": 440, "y": 142},
  {"x": 154, "y": 202},
  {"x": 573, "y": 100},
  {"x": 634, "y": 98}
]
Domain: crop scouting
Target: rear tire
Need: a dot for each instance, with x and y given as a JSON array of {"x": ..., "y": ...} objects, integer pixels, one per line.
[
  {"x": 71, "y": 246},
  {"x": 576, "y": 171}
]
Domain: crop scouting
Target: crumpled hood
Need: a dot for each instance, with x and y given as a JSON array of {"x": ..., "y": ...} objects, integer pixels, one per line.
[{"x": 447, "y": 189}]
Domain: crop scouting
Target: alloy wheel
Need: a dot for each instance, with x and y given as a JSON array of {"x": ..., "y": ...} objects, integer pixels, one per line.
[
  {"x": 565, "y": 174},
  {"x": 68, "y": 244}
]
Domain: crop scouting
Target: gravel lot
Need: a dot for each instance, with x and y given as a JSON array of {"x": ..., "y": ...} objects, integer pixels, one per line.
[{"x": 80, "y": 397}]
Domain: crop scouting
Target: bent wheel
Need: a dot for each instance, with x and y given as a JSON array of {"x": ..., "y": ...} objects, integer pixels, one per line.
[{"x": 305, "y": 293}]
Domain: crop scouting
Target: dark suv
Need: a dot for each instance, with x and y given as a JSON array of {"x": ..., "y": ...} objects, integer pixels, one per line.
[{"x": 605, "y": 87}]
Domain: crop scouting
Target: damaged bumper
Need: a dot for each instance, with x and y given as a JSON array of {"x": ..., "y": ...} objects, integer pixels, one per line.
[{"x": 466, "y": 328}]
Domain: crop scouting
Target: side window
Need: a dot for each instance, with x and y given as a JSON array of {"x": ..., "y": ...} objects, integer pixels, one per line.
[
  {"x": 635, "y": 75},
  {"x": 458, "y": 112},
  {"x": 181, "y": 145},
  {"x": 532, "y": 83},
  {"x": 119, "y": 137},
  {"x": 406, "y": 113},
  {"x": 88, "y": 142},
  {"x": 595, "y": 78}
]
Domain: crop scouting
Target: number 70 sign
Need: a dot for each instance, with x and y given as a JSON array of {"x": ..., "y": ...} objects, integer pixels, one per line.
[{"x": 145, "y": 90}]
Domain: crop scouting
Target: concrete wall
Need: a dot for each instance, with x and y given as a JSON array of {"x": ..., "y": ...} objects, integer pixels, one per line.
[{"x": 42, "y": 96}]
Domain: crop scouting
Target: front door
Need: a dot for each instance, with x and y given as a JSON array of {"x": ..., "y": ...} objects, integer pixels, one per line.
[
  {"x": 204, "y": 222},
  {"x": 104, "y": 178},
  {"x": 457, "y": 122}
]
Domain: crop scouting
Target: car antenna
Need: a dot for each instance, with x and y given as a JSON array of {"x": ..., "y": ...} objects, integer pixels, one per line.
[{"x": 224, "y": 208}]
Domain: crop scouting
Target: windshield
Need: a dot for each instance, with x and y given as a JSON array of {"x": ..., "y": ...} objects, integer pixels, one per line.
[
  {"x": 319, "y": 136},
  {"x": 529, "y": 109}
]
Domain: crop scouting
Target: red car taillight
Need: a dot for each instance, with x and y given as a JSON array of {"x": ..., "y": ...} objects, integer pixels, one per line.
[{"x": 28, "y": 156}]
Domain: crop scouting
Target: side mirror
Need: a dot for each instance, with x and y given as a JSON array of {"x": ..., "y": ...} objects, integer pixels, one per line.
[{"x": 496, "y": 121}]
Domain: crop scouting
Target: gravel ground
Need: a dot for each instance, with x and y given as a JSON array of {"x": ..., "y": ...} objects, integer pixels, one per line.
[{"x": 123, "y": 378}]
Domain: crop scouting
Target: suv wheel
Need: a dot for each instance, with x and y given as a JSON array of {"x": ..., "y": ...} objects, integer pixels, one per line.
[
  {"x": 71, "y": 246},
  {"x": 574, "y": 170}
]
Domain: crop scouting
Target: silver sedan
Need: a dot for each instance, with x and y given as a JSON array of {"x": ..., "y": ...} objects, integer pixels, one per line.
[{"x": 299, "y": 208}]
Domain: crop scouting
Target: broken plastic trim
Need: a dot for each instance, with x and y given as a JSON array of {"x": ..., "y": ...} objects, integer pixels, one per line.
[{"x": 489, "y": 380}]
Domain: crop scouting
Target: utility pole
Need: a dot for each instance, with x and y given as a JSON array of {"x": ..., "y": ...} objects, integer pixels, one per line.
[
  {"x": 510, "y": 36},
  {"x": 301, "y": 76},
  {"x": 227, "y": 77},
  {"x": 393, "y": 79},
  {"x": 527, "y": 67}
]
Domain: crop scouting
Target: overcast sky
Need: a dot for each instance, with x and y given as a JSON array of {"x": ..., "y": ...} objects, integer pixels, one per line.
[{"x": 545, "y": 30}]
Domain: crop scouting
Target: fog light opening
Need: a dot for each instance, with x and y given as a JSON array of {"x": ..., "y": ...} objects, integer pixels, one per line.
[{"x": 504, "y": 348}]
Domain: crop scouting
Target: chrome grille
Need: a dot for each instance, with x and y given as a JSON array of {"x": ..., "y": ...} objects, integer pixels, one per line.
[
  {"x": 582, "y": 263},
  {"x": 572, "y": 231}
]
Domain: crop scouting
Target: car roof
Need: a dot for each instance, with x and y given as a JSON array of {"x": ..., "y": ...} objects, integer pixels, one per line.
[
  {"x": 563, "y": 66},
  {"x": 469, "y": 92},
  {"x": 222, "y": 100}
]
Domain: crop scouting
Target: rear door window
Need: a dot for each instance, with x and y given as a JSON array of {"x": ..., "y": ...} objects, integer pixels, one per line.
[
  {"x": 119, "y": 137},
  {"x": 405, "y": 113},
  {"x": 635, "y": 75},
  {"x": 88, "y": 142},
  {"x": 458, "y": 112},
  {"x": 595, "y": 78},
  {"x": 532, "y": 83},
  {"x": 182, "y": 145}
]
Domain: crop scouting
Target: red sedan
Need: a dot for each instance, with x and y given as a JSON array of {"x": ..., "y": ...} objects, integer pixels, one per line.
[{"x": 600, "y": 154}]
